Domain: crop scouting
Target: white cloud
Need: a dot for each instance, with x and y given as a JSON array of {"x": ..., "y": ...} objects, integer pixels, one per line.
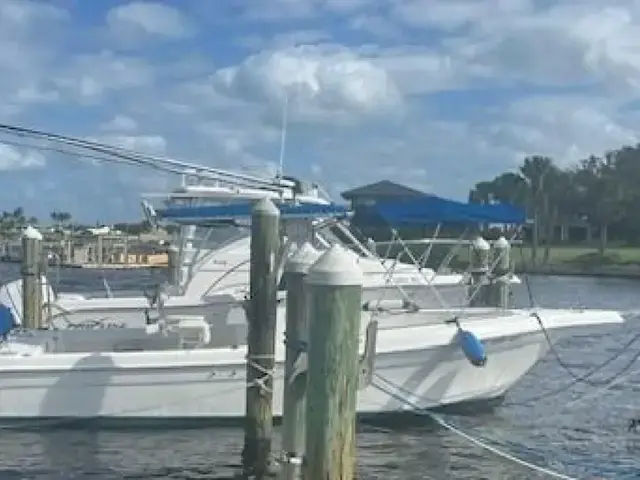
[
  {"x": 17, "y": 158},
  {"x": 319, "y": 81},
  {"x": 27, "y": 32},
  {"x": 401, "y": 106},
  {"x": 89, "y": 77},
  {"x": 20, "y": 16},
  {"x": 567, "y": 129},
  {"x": 149, "y": 18},
  {"x": 120, "y": 123},
  {"x": 454, "y": 14}
]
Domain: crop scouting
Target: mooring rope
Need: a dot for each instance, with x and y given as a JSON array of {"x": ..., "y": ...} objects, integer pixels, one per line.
[{"x": 480, "y": 443}]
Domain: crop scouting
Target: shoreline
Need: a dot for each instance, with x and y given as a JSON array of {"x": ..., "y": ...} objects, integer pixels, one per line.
[{"x": 599, "y": 271}]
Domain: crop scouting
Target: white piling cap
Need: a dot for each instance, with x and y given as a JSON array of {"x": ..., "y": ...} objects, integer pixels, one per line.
[
  {"x": 501, "y": 243},
  {"x": 302, "y": 259},
  {"x": 335, "y": 267},
  {"x": 31, "y": 233},
  {"x": 480, "y": 244},
  {"x": 265, "y": 206}
]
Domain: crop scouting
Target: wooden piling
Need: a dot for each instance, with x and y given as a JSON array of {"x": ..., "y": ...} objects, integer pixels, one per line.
[
  {"x": 296, "y": 340},
  {"x": 261, "y": 317},
  {"x": 500, "y": 292},
  {"x": 31, "y": 288},
  {"x": 480, "y": 250},
  {"x": 43, "y": 287},
  {"x": 173, "y": 265},
  {"x": 99, "y": 250},
  {"x": 335, "y": 299}
]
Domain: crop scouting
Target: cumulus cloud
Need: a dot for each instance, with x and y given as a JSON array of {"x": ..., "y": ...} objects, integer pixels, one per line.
[
  {"x": 149, "y": 18},
  {"x": 120, "y": 123},
  {"x": 15, "y": 158},
  {"x": 316, "y": 79},
  {"x": 89, "y": 77},
  {"x": 437, "y": 94}
]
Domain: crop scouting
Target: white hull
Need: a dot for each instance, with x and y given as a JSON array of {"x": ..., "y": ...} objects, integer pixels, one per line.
[
  {"x": 130, "y": 311},
  {"x": 211, "y": 382}
]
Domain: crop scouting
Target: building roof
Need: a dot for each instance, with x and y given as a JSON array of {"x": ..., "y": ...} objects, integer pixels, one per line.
[{"x": 384, "y": 188}]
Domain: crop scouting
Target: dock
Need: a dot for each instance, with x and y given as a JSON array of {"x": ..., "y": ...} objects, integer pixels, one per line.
[
  {"x": 96, "y": 251},
  {"x": 113, "y": 266}
]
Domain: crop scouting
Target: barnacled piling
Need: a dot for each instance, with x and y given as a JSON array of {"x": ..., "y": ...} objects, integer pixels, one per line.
[
  {"x": 261, "y": 318},
  {"x": 335, "y": 299},
  {"x": 295, "y": 374},
  {"x": 31, "y": 284}
]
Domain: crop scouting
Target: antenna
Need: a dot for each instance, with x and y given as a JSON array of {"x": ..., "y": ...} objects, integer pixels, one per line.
[{"x": 283, "y": 135}]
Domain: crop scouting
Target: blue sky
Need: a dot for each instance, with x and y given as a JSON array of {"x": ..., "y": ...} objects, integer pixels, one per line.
[{"x": 436, "y": 94}]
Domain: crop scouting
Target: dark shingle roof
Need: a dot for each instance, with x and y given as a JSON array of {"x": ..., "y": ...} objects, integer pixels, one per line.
[{"x": 384, "y": 188}]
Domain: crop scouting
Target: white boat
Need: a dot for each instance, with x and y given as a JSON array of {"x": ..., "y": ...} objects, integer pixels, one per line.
[
  {"x": 196, "y": 368},
  {"x": 168, "y": 380},
  {"x": 215, "y": 261}
]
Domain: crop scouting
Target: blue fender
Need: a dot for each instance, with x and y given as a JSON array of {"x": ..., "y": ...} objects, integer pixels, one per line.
[
  {"x": 472, "y": 348},
  {"x": 6, "y": 320}
]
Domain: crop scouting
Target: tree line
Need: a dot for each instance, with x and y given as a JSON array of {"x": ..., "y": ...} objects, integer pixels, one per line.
[
  {"x": 14, "y": 221},
  {"x": 600, "y": 192}
]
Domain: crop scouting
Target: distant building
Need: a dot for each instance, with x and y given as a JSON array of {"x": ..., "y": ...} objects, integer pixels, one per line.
[
  {"x": 366, "y": 219},
  {"x": 369, "y": 195}
]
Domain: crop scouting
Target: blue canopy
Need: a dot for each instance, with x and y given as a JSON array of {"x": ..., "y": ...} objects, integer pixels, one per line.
[
  {"x": 433, "y": 209},
  {"x": 237, "y": 211}
]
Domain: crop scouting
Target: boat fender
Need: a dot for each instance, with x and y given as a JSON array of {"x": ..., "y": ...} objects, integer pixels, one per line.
[
  {"x": 472, "y": 348},
  {"x": 7, "y": 322}
]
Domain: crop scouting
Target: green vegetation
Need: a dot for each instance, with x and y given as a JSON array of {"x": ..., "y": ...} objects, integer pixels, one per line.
[
  {"x": 600, "y": 193},
  {"x": 581, "y": 256},
  {"x": 12, "y": 223}
]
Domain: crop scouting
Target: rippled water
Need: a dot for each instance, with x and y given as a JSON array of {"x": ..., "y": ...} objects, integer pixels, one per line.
[{"x": 581, "y": 432}]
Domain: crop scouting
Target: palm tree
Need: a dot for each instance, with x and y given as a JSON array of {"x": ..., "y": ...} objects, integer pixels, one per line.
[
  {"x": 481, "y": 193},
  {"x": 601, "y": 193},
  {"x": 534, "y": 171}
]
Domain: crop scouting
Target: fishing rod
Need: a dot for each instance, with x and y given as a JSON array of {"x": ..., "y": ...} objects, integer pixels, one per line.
[{"x": 154, "y": 161}]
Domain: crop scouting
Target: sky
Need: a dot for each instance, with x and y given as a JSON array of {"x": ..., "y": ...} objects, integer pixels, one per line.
[{"x": 434, "y": 94}]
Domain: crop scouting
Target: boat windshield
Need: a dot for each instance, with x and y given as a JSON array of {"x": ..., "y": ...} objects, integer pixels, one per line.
[{"x": 214, "y": 237}]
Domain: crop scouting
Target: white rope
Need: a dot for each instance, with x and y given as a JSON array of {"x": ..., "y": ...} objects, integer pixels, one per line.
[
  {"x": 438, "y": 419},
  {"x": 267, "y": 374}
]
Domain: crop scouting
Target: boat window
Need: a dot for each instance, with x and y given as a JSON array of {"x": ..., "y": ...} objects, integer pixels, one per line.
[{"x": 217, "y": 236}]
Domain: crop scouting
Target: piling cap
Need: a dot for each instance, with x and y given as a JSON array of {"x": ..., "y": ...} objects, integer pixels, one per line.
[
  {"x": 31, "y": 233},
  {"x": 302, "y": 259},
  {"x": 501, "y": 243},
  {"x": 173, "y": 248},
  {"x": 480, "y": 244},
  {"x": 335, "y": 267},
  {"x": 266, "y": 207}
]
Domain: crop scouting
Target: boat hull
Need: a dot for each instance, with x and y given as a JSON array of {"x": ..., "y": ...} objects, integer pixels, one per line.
[{"x": 126, "y": 386}]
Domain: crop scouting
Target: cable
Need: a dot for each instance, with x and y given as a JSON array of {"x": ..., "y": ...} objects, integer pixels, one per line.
[
  {"x": 576, "y": 377},
  {"x": 485, "y": 446},
  {"x": 582, "y": 378}
]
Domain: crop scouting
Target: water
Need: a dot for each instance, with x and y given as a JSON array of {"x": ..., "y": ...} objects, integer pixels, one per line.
[{"x": 585, "y": 437}]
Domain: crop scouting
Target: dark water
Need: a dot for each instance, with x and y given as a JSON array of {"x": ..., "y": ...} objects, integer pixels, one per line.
[{"x": 581, "y": 432}]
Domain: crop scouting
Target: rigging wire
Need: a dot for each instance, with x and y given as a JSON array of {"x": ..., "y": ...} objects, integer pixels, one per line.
[
  {"x": 152, "y": 161},
  {"x": 472, "y": 439},
  {"x": 577, "y": 378}
]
